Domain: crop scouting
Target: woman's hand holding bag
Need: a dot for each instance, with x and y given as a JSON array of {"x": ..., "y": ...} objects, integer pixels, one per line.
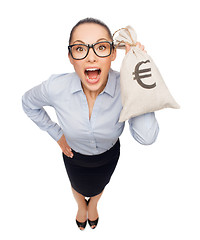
[{"x": 143, "y": 89}]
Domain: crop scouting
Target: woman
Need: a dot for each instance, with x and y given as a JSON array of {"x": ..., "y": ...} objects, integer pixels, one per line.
[{"x": 88, "y": 104}]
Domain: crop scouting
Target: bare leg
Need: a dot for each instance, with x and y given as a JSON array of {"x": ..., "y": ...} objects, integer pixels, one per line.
[
  {"x": 92, "y": 208},
  {"x": 82, "y": 207}
]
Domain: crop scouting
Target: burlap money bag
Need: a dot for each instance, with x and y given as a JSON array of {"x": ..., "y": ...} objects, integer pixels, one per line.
[{"x": 143, "y": 89}]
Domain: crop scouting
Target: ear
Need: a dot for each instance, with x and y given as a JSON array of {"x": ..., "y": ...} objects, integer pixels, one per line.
[{"x": 114, "y": 54}]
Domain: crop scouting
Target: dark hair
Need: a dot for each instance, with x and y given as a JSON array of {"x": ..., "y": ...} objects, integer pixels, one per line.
[{"x": 90, "y": 20}]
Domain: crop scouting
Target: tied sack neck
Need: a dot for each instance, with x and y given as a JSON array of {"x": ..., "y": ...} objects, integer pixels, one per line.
[{"x": 125, "y": 35}]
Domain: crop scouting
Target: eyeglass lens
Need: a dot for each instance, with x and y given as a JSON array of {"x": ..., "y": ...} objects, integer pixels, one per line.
[{"x": 101, "y": 49}]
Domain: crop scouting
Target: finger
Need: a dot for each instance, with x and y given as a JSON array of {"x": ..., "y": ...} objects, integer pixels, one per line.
[
  {"x": 68, "y": 148},
  {"x": 68, "y": 152},
  {"x": 142, "y": 47},
  {"x": 138, "y": 44},
  {"x": 65, "y": 147}
]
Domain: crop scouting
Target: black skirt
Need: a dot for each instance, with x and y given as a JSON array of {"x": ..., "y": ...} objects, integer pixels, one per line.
[{"x": 89, "y": 174}]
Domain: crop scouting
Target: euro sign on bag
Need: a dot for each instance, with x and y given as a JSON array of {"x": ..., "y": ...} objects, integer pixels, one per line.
[{"x": 143, "y": 89}]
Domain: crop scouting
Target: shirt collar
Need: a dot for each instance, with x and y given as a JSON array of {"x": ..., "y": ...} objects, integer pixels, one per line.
[
  {"x": 111, "y": 84},
  {"x": 75, "y": 83},
  {"x": 109, "y": 88}
]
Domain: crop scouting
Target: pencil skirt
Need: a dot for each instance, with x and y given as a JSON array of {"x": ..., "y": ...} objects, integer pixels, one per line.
[{"x": 89, "y": 174}]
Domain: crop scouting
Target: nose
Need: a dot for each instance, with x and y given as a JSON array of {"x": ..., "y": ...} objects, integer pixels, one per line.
[{"x": 91, "y": 57}]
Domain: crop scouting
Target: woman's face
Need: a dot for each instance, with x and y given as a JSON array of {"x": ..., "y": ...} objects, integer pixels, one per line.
[{"x": 89, "y": 33}]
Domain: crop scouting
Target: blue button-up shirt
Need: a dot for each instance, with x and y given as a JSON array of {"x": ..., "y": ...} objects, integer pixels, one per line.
[{"x": 88, "y": 136}]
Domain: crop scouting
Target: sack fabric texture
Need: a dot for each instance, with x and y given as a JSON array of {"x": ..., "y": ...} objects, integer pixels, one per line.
[{"x": 143, "y": 89}]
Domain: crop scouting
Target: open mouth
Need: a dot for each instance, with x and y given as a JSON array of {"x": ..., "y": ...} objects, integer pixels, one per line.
[{"x": 93, "y": 74}]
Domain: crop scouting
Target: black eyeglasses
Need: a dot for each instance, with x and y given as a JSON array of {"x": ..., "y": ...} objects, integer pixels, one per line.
[{"x": 101, "y": 49}]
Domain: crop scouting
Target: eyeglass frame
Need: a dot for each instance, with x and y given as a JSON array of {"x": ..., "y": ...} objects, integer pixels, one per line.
[{"x": 91, "y": 46}]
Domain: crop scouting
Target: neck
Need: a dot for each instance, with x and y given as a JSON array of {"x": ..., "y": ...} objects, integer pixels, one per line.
[{"x": 92, "y": 94}]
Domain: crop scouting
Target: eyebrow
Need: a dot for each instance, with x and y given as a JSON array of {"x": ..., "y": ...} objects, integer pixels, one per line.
[
  {"x": 78, "y": 41},
  {"x": 96, "y": 41},
  {"x": 102, "y": 39}
]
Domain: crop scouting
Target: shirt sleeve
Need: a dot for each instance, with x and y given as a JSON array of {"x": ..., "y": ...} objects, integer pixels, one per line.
[
  {"x": 33, "y": 102},
  {"x": 144, "y": 128}
]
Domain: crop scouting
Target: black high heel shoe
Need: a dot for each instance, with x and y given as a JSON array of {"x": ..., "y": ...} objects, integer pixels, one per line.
[
  {"x": 82, "y": 224},
  {"x": 92, "y": 223}
]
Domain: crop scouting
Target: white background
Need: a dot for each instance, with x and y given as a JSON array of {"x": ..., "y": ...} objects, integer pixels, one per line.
[{"x": 154, "y": 192}]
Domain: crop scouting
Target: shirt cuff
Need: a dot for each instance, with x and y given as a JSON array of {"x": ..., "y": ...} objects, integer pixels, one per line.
[{"x": 55, "y": 132}]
